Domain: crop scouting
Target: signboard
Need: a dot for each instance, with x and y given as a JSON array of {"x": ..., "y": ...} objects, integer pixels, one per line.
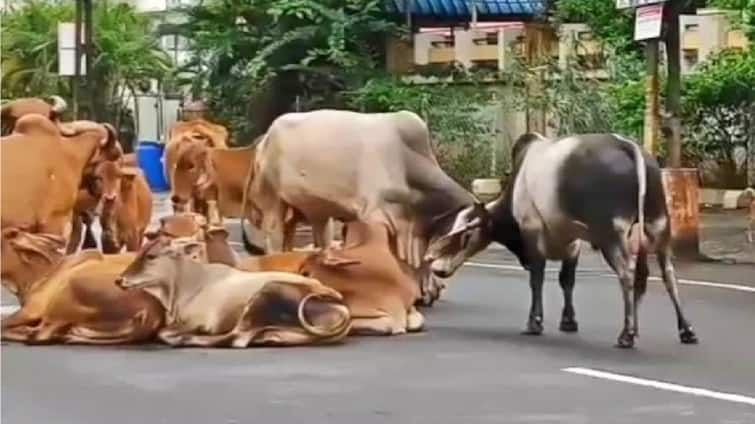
[
  {"x": 647, "y": 22},
  {"x": 628, "y": 4},
  {"x": 67, "y": 49}
]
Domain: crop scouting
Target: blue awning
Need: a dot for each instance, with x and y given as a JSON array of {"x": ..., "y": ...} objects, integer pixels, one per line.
[{"x": 460, "y": 9}]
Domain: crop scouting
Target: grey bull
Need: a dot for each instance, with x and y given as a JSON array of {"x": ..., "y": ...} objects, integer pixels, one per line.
[
  {"x": 342, "y": 165},
  {"x": 601, "y": 188}
]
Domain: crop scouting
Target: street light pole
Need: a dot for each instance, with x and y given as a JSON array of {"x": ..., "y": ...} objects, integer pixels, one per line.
[
  {"x": 77, "y": 61},
  {"x": 89, "y": 52}
]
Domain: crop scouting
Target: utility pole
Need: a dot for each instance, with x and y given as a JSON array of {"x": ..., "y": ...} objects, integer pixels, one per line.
[{"x": 674, "y": 93}]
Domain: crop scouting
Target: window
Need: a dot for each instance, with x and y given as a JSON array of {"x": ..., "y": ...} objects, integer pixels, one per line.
[
  {"x": 177, "y": 47},
  {"x": 690, "y": 57}
]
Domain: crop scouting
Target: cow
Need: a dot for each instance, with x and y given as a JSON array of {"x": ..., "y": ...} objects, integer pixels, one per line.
[
  {"x": 204, "y": 173},
  {"x": 74, "y": 299},
  {"x": 378, "y": 167},
  {"x": 184, "y": 133},
  {"x": 378, "y": 289},
  {"x": 601, "y": 188},
  {"x": 127, "y": 208},
  {"x": 51, "y": 107},
  {"x": 217, "y": 305},
  {"x": 42, "y": 171}
]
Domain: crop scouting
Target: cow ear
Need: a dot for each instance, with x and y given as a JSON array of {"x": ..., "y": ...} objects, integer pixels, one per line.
[
  {"x": 192, "y": 249},
  {"x": 332, "y": 258}
]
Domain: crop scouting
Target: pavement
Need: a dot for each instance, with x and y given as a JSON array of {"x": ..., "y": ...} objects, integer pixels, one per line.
[{"x": 470, "y": 365}]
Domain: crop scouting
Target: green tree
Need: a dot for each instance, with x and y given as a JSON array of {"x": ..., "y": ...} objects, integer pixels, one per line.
[
  {"x": 254, "y": 59},
  {"x": 126, "y": 54},
  {"x": 720, "y": 112}
]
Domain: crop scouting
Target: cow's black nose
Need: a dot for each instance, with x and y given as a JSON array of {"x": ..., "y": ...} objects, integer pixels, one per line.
[{"x": 176, "y": 199}]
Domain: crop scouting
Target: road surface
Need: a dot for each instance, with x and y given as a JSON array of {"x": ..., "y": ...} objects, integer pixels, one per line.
[{"x": 471, "y": 365}]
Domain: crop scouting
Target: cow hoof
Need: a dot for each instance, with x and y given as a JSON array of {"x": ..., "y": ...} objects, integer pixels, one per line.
[
  {"x": 568, "y": 325},
  {"x": 534, "y": 328},
  {"x": 687, "y": 336},
  {"x": 626, "y": 340}
]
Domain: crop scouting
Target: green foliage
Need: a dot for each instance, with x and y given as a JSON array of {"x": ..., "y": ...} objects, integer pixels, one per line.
[
  {"x": 720, "y": 109},
  {"x": 614, "y": 27},
  {"x": 253, "y": 59},
  {"x": 29, "y": 49},
  {"x": 125, "y": 53},
  {"x": 455, "y": 115}
]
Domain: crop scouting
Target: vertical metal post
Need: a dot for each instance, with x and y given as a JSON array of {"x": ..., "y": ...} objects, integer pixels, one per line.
[
  {"x": 650, "y": 130},
  {"x": 89, "y": 52},
  {"x": 77, "y": 61},
  {"x": 674, "y": 86}
]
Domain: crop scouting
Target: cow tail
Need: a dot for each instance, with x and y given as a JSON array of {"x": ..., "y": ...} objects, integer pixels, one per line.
[{"x": 642, "y": 188}]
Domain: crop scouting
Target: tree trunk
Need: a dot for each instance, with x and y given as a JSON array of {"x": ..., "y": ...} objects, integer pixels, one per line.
[{"x": 674, "y": 87}]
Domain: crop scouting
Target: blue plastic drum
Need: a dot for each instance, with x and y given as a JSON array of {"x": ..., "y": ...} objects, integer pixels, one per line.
[{"x": 149, "y": 154}]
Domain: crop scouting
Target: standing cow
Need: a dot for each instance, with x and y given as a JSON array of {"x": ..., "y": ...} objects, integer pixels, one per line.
[
  {"x": 600, "y": 188},
  {"x": 341, "y": 165}
]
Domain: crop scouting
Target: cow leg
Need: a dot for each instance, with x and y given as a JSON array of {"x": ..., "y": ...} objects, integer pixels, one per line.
[
  {"x": 20, "y": 318},
  {"x": 618, "y": 257},
  {"x": 204, "y": 340},
  {"x": 566, "y": 278},
  {"x": 686, "y": 334},
  {"x": 537, "y": 274},
  {"x": 75, "y": 240},
  {"x": 640, "y": 285},
  {"x": 49, "y": 333},
  {"x": 415, "y": 321},
  {"x": 381, "y": 326},
  {"x": 174, "y": 335},
  {"x": 89, "y": 241},
  {"x": 322, "y": 232}
]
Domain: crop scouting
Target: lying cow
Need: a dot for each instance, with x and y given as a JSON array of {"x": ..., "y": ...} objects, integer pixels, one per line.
[
  {"x": 217, "y": 305},
  {"x": 74, "y": 299},
  {"x": 594, "y": 187},
  {"x": 377, "y": 288},
  {"x": 378, "y": 167},
  {"x": 52, "y": 107}
]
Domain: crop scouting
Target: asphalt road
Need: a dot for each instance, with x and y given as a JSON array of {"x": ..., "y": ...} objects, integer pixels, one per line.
[{"x": 471, "y": 365}]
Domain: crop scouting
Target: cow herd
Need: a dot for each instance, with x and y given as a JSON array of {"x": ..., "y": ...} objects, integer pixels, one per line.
[{"x": 405, "y": 226}]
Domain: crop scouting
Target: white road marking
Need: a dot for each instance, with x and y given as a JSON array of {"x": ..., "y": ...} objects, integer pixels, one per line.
[
  {"x": 731, "y": 397},
  {"x": 739, "y": 287}
]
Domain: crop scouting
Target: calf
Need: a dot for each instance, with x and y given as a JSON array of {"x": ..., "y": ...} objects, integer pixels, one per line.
[
  {"x": 592, "y": 187},
  {"x": 217, "y": 305},
  {"x": 126, "y": 210}
]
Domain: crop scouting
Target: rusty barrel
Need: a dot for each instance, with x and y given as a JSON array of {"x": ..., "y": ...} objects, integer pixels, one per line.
[{"x": 682, "y": 200}]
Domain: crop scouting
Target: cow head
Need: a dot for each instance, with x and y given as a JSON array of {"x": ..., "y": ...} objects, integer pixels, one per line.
[
  {"x": 183, "y": 225},
  {"x": 289, "y": 312},
  {"x": 27, "y": 256},
  {"x": 158, "y": 263},
  {"x": 51, "y": 107},
  {"x": 470, "y": 233},
  {"x": 190, "y": 177}
]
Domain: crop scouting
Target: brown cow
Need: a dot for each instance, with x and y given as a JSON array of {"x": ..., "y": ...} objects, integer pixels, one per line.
[
  {"x": 51, "y": 107},
  {"x": 190, "y": 132},
  {"x": 217, "y": 305},
  {"x": 74, "y": 299},
  {"x": 127, "y": 208},
  {"x": 42, "y": 171},
  {"x": 378, "y": 289},
  {"x": 204, "y": 173}
]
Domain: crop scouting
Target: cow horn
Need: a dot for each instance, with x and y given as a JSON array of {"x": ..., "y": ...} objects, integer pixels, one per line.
[
  {"x": 58, "y": 104},
  {"x": 313, "y": 329}
]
